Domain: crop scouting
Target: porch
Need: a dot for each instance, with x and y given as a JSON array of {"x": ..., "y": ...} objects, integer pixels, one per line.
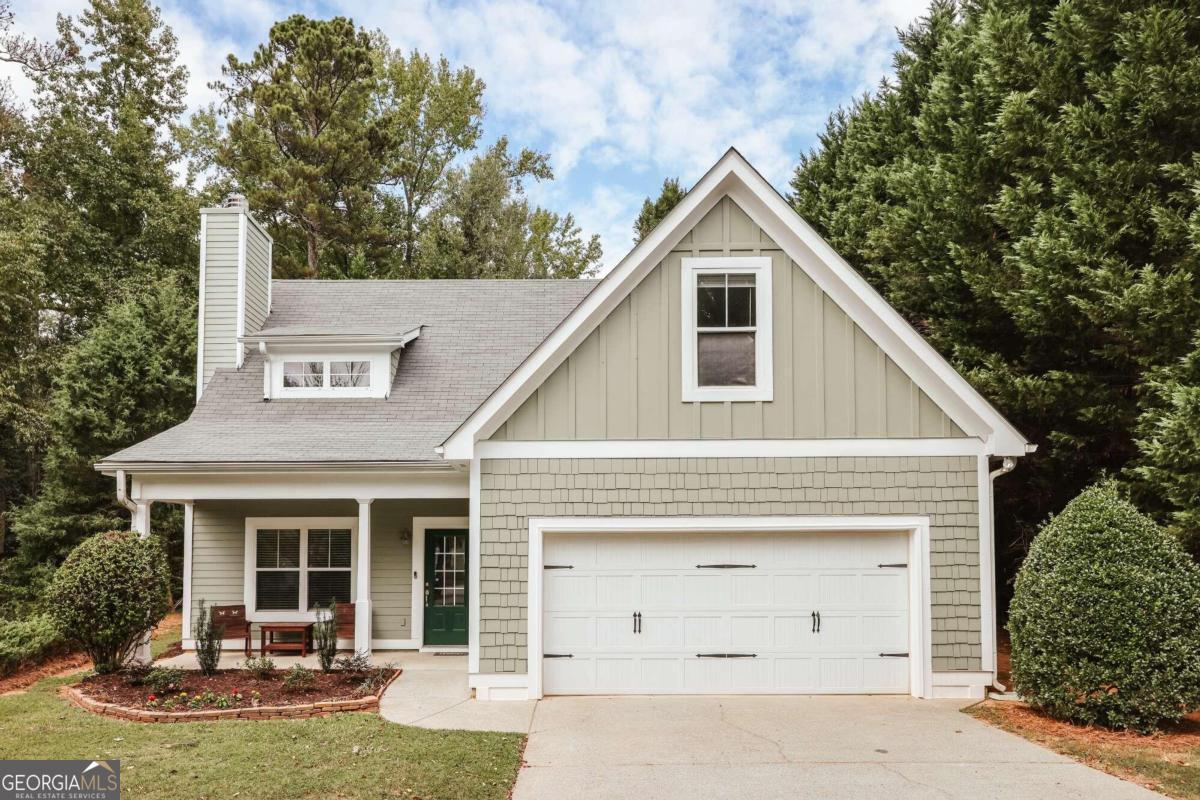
[{"x": 281, "y": 545}]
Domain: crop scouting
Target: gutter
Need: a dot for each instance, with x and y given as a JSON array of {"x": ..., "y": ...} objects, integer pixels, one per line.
[
  {"x": 123, "y": 492},
  {"x": 118, "y": 468}
]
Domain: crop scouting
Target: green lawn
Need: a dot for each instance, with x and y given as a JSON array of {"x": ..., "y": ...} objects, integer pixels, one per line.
[{"x": 288, "y": 759}]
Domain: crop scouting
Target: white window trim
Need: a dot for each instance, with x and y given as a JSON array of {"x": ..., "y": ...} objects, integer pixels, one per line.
[
  {"x": 304, "y": 524},
  {"x": 763, "y": 388},
  {"x": 380, "y": 375}
]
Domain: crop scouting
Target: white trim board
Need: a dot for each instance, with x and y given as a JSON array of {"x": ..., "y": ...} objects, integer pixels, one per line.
[
  {"x": 920, "y": 594},
  {"x": 416, "y": 618},
  {"x": 729, "y": 448},
  {"x": 329, "y": 484},
  {"x": 733, "y": 176},
  {"x": 200, "y": 307}
]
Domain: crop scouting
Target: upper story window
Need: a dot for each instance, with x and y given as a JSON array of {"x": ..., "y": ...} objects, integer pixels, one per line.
[
  {"x": 726, "y": 337},
  {"x": 326, "y": 374},
  {"x": 327, "y": 377}
]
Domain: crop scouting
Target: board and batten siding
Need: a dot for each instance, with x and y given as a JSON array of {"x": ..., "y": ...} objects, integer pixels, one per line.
[
  {"x": 944, "y": 488},
  {"x": 219, "y": 540},
  {"x": 624, "y": 380}
]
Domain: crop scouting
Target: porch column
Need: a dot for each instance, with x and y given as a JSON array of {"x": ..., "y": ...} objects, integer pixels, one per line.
[
  {"x": 362, "y": 597},
  {"x": 141, "y": 526},
  {"x": 186, "y": 602}
]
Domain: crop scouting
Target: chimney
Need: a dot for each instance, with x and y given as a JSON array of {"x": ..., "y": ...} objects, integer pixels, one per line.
[{"x": 235, "y": 285}]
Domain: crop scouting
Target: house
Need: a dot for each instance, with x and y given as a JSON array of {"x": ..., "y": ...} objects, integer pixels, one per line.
[{"x": 727, "y": 467}]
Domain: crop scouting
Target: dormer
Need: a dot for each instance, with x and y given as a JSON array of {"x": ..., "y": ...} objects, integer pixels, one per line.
[{"x": 304, "y": 362}]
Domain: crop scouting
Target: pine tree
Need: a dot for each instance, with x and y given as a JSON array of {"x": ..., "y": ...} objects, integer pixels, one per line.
[{"x": 653, "y": 211}]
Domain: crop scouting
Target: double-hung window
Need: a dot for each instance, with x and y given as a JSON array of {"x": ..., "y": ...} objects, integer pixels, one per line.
[
  {"x": 298, "y": 565},
  {"x": 726, "y": 333}
]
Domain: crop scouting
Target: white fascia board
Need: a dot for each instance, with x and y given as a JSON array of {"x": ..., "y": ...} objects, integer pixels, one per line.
[
  {"x": 177, "y": 488},
  {"x": 388, "y": 341},
  {"x": 731, "y": 448},
  {"x": 734, "y": 176}
]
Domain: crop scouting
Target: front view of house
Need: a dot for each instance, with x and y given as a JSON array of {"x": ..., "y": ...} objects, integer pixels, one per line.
[{"x": 727, "y": 467}]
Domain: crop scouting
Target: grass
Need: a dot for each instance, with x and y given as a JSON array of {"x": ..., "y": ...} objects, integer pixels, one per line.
[
  {"x": 1168, "y": 762},
  {"x": 343, "y": 756}
]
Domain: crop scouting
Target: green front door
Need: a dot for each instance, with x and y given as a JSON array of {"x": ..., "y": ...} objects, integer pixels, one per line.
[{"x": 445, "y": 587}]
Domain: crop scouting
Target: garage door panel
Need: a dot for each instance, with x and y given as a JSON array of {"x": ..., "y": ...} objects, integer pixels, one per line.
[
  {"x": 750, "y": 633},
  {"x": 566, "y": 591},
  {"x": 752, "y": 590},
  {"x": 705, "y": 632},
  {"x": 570, "y": 632},
  {"x": 660, "y": 591},
  {"x": 687, "y": 609}
]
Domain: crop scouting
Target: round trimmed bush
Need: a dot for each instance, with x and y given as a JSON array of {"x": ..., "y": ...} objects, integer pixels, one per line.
[
  {"x": 109, "y": 592},
  {"x": 1105, "y": 618}
]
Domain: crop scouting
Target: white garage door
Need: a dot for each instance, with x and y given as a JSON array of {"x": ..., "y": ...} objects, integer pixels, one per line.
[{"x": 633, "y": 613}]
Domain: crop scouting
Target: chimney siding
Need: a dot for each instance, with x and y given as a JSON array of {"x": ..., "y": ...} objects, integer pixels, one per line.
[{"x": 235, "y": 287}]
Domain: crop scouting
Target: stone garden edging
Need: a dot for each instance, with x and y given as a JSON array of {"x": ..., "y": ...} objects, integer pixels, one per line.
[{"x": 303, "y": 711}]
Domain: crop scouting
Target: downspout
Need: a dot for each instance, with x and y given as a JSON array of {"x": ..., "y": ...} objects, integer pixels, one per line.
[
  {"x": 1006, "y": 466},
  {"x": 122, "y": 493}
]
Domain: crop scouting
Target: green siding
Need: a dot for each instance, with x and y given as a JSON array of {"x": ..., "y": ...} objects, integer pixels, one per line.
[
  {"x": 624, "y": 380},
  {"x": 218, "y": 550},
  {"x": 943, "y": 488},
  {"x": 220, "y": 291}
]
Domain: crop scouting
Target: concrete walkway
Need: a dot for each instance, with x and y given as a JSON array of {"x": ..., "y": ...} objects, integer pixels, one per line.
[
  {"x": 790, "y": 747},
  {"x": 432, "y": 692}
]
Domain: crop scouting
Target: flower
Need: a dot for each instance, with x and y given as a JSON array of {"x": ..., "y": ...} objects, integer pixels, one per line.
[{"x": 151, "y": 698}]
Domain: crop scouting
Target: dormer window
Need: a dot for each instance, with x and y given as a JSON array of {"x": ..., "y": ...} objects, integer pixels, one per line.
[
  {"x": 726, "y": 336},
  {"x": 306, "y": 363},
  {"x": 327, "y": 374}
]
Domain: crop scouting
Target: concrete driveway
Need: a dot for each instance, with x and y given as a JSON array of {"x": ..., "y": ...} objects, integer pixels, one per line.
[{"x": 883, "y": 748}]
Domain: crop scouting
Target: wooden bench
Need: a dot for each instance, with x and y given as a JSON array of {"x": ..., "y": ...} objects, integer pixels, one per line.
[{"x": 268, "y": 631}]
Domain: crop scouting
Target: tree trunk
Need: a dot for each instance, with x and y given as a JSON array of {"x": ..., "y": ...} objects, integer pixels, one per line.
[{"x": 312, "y": 254}]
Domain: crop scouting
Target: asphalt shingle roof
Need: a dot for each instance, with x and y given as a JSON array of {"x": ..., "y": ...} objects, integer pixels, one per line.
[{"x": 474, "y": 333}]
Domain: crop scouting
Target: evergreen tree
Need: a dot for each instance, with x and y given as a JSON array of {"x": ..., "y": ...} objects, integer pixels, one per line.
[
  {"x": 653, "y": 211},
  {"x": 1023, "y": 193},
  {"x": 131, "y": 376}
]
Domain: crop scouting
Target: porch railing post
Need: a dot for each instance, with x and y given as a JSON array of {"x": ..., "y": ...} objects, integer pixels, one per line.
[{"x": 362, "y": 598}]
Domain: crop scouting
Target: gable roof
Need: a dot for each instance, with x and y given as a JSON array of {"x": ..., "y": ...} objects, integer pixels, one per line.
[
  {"x": 733, "y": 176},
  {"x": 473, "y": 333}
]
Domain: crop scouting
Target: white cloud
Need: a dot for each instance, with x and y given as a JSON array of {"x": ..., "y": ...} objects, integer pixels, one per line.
[{"x": 620, "y": 94}]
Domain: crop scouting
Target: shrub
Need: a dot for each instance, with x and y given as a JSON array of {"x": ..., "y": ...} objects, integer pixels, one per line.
[
  {"x": 208, "y": 641},
  {"x": 108, "y": 594},
  {"x": 375, "y": 679},
  {"x": 1104, "y": 618},
  {"x": 325, "y": 638},
  {"x": 260, "y": 668},
  {"x": 163, "y": 679},
  {"x": 297, "y": 678},
  {"x": 25, "y": 642},
  {"x": 354, "y": 664}
]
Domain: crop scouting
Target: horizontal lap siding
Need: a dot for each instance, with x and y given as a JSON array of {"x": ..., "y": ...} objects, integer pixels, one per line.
[
  {"x": 942, "y": 488},
  {"x": 218, "y": 551},
  {"x": 624, "y": 380},
  {"x": 220, "y": 292}
]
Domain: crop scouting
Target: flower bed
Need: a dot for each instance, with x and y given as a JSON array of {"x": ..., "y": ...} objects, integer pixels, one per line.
[{"x": 229, "y": 694}]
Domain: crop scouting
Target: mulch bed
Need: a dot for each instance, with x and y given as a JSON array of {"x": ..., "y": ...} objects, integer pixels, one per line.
[
  {"x": 1044, "y": 728},
  {"x": 238, "y": 688}
]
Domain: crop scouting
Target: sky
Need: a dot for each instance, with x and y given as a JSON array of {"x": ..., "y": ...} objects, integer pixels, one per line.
[{"x": 620, "y": 94}]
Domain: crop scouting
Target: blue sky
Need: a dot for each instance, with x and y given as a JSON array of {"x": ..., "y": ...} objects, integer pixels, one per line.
[{"x": 620, "y": 94}]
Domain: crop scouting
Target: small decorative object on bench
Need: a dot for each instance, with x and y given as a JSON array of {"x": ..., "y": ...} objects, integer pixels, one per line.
[
  {"x": 268, "y": 631},
  {"x": 233, "y": 623}
]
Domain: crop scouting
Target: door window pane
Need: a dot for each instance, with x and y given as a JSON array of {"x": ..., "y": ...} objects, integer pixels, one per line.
[
  {"x": 725, "y": 359},
  {"x": 304, "y": 374},
  {"x": 450, "y": 571},
  {"x": 350, "y": 374}
]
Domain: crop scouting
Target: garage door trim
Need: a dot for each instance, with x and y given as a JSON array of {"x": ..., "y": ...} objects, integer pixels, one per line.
[{"x": 917, "y": 529}]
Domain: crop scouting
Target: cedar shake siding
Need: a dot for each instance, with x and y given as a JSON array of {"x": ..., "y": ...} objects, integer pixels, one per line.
[{"x": 943, "y": 488}]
